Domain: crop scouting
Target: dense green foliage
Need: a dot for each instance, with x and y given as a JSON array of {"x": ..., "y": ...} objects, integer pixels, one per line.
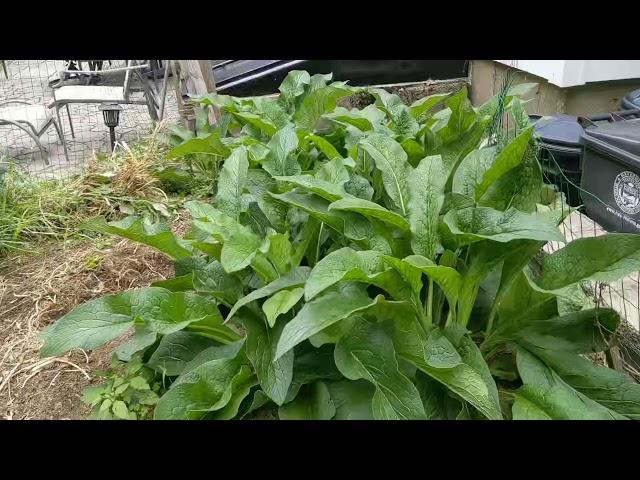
[{"x": 369, "y": 264}]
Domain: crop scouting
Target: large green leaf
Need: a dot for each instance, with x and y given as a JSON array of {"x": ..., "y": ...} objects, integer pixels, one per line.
[
  {"x": 545, "y": 396},
  {"x": 231, "y": 182},
  {"x": 471, "y": 170},
  {"x": 425, "y": 104},
  {"x": 426, "y": 195},
  {"x": 510, "y": 157},
  {"x": 603, "y": 259},
  {"x": 204, "y": 389},
  {"x": 352, "y": 399},
  {"x": 241, "y": 245},
  {"x": 295, "y": 278},
  {"x": 310, "y": 365},
  {"x": 94, "y": 323},
  {"x": 176, "y": 350},
  {"x": 518, "y": 188},
  {"x": 322, "y": 188},
  {"x": 280, "y": 303},
  {"x": 585, "y": 331},
  {"x": 391, "y": 160},
  {"x": 274, "y": 375},
  {"x": 350, "y": 224},
  {"x": 141, "y": 230},
  {"x": 612, "y": 389},
  {"x": 320, "y": 313},
  {"x": 372, "y": 210},
  {"x": 312, "y": 403},
  {"x": 293, "y": 84},
  {"x": 367, "y": 353},
  {"x": 316, "y": 104},
  {"x": 209, "y": 145},
  {"x": 356, "y": 118},
  {"x": 447, "y": 278},
  {"x": 212, "y": 279},
  {"x": 281, "y": 159},
  {"x": 325, "y": 147},
  {"x": 256, "y": 121},
  {"x": 474, "y": 224},
  {"x": 362, "y": 266},
  {"x": 461, "y": 369}
]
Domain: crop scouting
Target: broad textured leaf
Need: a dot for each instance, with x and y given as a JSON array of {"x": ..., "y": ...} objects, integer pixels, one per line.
[
  {"x": 231, "y": 182},
  {"x": 316, "y": 104},
  {"x": 280, "y": 303},
  {"x": 176, "y": 350},
  {"x": 603, "y": 259},
  {"x": 471, "y": 170},
  {"x": 362, "y": 266},
  {"x": 156, "y": 235},
  {"x": 96, "y": 322},
  {"x": 367, "y": 353},
  {"x": 510, "y": 157},
  {"x": 293, "y": 84},
  {"x": 206, "y": 388},
  {"x": 335, "y": 171},
  {"x": 310, "y": 365},
  {"x": 209, "y": 145},
  {"x": 312, "y": 403},
  {"x": 352, "y": 225},
  {"x": 352, "y": 399},
  {"x": 141, "y": 340},
  {"x": 322, "y": 188},
  {"x": 212, "y": 279},
  {"x": 257, "y": 121},
  {"x": 259, "y": 183},
  {"x": 426, "y": 195},
  {"x": 325, "y": 147},
  {"x": 281, "y": 159},
  {"x": 295, "y": 278},
  {"x": 274, "y": 375},
  {"x": 544, "y": 395},
  {"x": 474, "y": 224},
  {"x": 215, "y": 352},
  {"x": 586, "y": 331},
  {"x": 320, "y": 313},
  {"x": 518, "y": 188},
  {"x": 372, "y": 210},
  {"x": 458, "y": 369},
  {"x": 425, "y": 104},
  {"x": 447, "y": 278},
  {"x": 391, "y": 160},
  {"x": 612, "y": 389},
  {"x": 351, "y": 117}
]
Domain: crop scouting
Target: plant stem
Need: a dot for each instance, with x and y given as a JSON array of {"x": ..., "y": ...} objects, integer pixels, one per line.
[{"x": 429, "y": 302}]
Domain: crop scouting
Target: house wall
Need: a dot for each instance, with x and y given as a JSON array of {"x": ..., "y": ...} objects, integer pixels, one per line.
[{"x": 549, "y": 98}]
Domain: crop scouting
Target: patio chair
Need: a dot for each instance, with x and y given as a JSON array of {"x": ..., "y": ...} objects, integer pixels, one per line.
[
  {"x": 68, "y": 94},
  {"x": 33, "y": 119}
]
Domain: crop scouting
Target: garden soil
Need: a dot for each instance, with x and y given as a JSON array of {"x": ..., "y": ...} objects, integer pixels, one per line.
[{"x": 38, "y": 288}]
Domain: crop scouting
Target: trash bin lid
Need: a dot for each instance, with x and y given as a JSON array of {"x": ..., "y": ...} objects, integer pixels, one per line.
[
  {"x": 624, "y": 135},
  {"x": 559, "y": 129}
]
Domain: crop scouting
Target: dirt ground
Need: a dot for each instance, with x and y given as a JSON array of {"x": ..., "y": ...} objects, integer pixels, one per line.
[{"x": 38, "y": 288}]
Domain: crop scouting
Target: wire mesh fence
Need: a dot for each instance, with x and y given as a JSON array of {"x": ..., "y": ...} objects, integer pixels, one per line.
[
  {"x": 622, "y": 295},
  {"x": 33, "y": 133}
]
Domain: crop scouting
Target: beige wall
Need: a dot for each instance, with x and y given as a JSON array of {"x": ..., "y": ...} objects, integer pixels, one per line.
[{"x": 589, "y": 99}]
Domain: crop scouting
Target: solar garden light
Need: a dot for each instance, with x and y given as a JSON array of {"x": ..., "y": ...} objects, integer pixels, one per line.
[{"x": 111, "y": 116}]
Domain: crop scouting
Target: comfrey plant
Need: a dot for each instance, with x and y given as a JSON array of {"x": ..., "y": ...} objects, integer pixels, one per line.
[{"x": 375, "y": 263}]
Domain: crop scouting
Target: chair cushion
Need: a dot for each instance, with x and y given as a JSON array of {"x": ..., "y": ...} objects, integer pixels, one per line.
[
  {"x": 36, "y": 115},
  {"x": 88, "y": 94}
]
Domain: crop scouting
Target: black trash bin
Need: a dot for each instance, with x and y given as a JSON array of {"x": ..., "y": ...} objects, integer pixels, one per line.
[
  {"x": 561, "y": 153},
  {"x": 611, "y": 174}
]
